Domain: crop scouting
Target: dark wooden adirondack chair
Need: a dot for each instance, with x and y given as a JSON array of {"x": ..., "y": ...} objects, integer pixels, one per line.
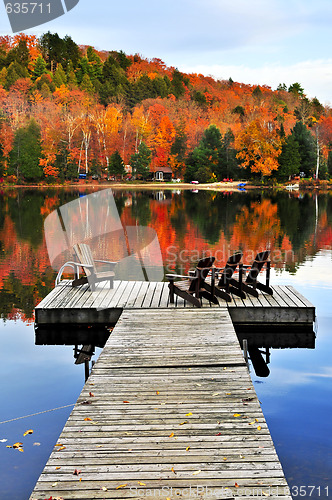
[
  {"x": 251, "y": 283},
  {"x": 88, "y": 264},
  {"x": 191, "y": 288},
  {"x": 226, "y": 283}
]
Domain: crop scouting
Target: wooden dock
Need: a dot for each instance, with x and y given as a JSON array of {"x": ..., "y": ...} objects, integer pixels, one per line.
[
  {"x": 169, "y": 410},
  {"x": 104, "y": 306}
]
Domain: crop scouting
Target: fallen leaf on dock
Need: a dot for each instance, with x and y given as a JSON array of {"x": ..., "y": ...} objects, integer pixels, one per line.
[
  {"x": 182, "y": 423},
  {"x": 237, "y": 415},
  {"x": 121, "y": 486},
  {"x": 62, "y": 448},
  {"x": 30, "y": 431},
  {"x": 57, "y": 468},
  {"x": 225, "y": 458},
  {"x": 228, "y": 393},
  {"x": 157, "y": 392},
  {"x": 188, "y": 448},
  {"x": 76, "y": 472},
  {"x": 126, "y": 401},
  {"x": 218, "y": 434},
  {"x": 54, "y": 484},
  {"x": 141, "y": 484},
  {"x": 172, "y": 469},
  {"x": 216, "y": 394},
  {"x": 199, "y": 385},
  {"x": 236, "y": 485},
  {"x": 247, "y": 400},
  {"x": 18, "y": 446},
  {"x": 88, "y": 419},
  {"x": 171, "y": 435},
  {"x": 196, "y": 472},
  {"x": 259, "y": 428},
  {"x": 103, "y": 488},
  {"x": 91, "y": 395},
  {"x": 188, "y": 414}
]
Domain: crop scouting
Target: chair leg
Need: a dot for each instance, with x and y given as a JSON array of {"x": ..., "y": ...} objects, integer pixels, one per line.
[
  {"x": 217, "y": 291},
  {"x": 264, "y": 288},
  {"x": 171, "y": 292},
  {"x": 209, "y": 296}
]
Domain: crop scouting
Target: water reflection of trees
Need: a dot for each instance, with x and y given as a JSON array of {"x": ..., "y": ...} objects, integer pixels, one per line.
[{"x": 295, "y": 225}]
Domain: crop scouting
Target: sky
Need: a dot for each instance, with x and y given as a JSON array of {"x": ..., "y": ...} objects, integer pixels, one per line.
[{"x": 264, "y": 42}]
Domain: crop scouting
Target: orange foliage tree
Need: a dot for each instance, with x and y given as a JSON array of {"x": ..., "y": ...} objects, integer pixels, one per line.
[{"x": 259, "y": 147}]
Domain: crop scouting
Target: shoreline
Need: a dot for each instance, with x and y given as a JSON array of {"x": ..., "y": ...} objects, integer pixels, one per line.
[{"x": 216, "y": 186}]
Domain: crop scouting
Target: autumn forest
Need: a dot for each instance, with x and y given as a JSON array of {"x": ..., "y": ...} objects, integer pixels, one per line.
[{"x": 67, "y": 109}]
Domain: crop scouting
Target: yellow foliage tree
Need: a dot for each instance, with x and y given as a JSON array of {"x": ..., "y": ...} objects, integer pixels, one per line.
[{"x": 259, "y": 147}]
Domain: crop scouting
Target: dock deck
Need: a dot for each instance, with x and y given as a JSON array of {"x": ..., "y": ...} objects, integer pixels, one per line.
[
  {"x": 104, "y": 306},
  {"x": 169, "y": 410}
]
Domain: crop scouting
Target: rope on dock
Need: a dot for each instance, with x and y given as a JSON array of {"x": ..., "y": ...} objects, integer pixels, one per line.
[{"x": 39, "y": 413}]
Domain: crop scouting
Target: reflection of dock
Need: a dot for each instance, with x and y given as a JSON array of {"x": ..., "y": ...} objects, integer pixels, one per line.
[{"x": 169, "y": 404}]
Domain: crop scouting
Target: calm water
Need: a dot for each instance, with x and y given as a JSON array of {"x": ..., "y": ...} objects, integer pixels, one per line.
[{"x": 297, "y": 396}]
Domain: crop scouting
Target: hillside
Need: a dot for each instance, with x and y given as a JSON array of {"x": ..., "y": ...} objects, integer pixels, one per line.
[{"x": 67, "y": 109}]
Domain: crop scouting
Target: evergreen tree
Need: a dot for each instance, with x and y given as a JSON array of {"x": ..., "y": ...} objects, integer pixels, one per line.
[
  {"x": 60, "y": 77},
  {"x": 307, "y": 148},
  {"x": 204, "y": 162},
  {"x": 87, "y": 85},
  {"x": 228, "y": 165},
  {"x": 26, "y": 152},
  {"x": 3, "y": 77},
  {"x": 289, "y": 159},
  {"x": 20, "y": 54},
  {"x": 14, "y": 72},
  {"x": 140, "y": 162},
  {"x": 39, "y": 68},
  {"x": 116, "y": 166},
  {"x": 177, "y": 83}
]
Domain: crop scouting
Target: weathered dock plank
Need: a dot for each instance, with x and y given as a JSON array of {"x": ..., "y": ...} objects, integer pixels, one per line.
[{"x": 168, "y": 411}]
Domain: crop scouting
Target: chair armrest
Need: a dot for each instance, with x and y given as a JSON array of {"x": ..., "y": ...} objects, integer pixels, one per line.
[
  {"x": 171, "y": 277},
  {"x": 81, "y": 264},
  {"x": 106, "y": 262},
  {"x": 73, "y": 265}
]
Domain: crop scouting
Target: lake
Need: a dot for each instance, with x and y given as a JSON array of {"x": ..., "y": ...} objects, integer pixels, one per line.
[{"x": 296, "y": 397}]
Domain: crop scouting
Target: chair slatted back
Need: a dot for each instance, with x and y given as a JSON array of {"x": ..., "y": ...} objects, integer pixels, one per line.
[
  {"x": 202, "y": 270},
  {"x": 230, "y": 268},
  {"x": 257, "y": 265},
  {"x": 84, "y": 255}
]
